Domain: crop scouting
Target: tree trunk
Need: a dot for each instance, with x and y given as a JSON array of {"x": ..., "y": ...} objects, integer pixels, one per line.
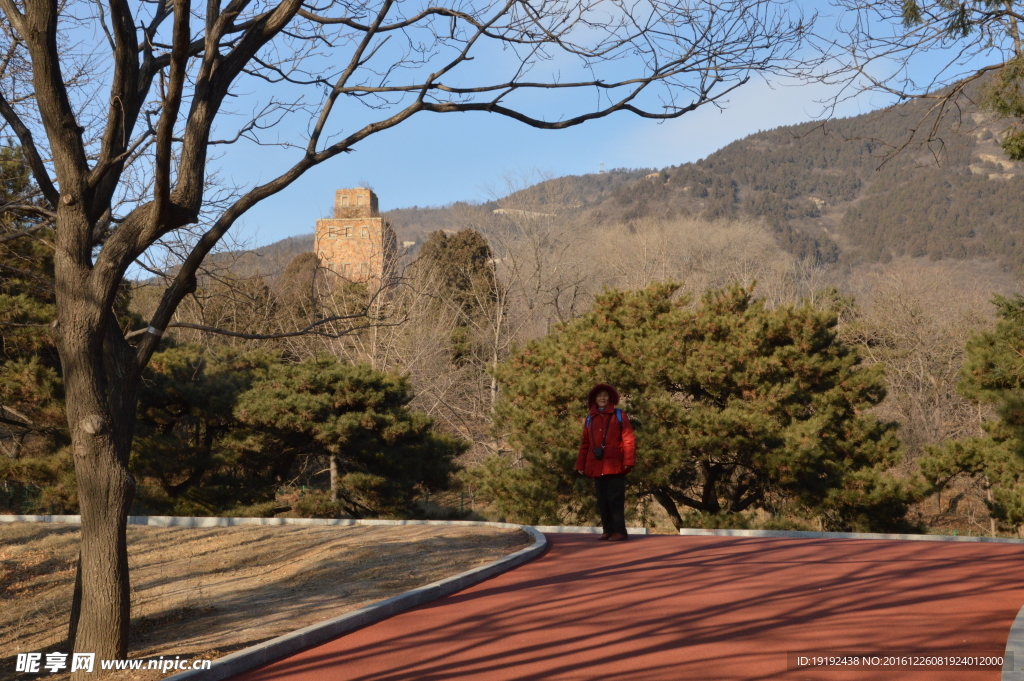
[
  {"x": 709, "y": 497},
  {"x": 101, "y": 385},
  {"x": 101, "y": 442},
  {"x": 670, "y": 507},
  {"x": 335, "y": 479},
  {"x": 76, "y": 605},
  {"x": 105, "y": 492}
]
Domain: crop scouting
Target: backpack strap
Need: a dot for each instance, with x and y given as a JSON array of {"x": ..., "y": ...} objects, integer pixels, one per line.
[{"x": 618, "y": 415}]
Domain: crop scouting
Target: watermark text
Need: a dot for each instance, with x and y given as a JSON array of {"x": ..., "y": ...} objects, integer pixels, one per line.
[{"x": 40, "y": 663}]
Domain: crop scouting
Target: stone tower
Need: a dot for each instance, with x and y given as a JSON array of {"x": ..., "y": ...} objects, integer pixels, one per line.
[{"x": 356, "y": 243}]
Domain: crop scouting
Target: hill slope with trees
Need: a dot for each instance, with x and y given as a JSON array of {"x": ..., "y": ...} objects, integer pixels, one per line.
[{"x": 847, "y": 191}]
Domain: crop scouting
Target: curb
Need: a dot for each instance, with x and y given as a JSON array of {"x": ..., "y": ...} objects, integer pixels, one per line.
[
  {"x": 193, "y": 521},
  {"x": 794, "y": 534},
  {"x": 573, "y": 529},
  {"x": 1014, "y": 651},
  {"x": 288, "y": 644}
]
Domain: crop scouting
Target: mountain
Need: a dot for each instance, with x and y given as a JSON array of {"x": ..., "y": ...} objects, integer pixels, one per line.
[
  {"x": 854, "y": 190},
  {"x": 845, "y": 191},
  {"x": 562, "y": 194}
]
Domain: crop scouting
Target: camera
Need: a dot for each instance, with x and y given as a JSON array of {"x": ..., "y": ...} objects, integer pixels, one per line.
[{"x": 598, "y": 453}]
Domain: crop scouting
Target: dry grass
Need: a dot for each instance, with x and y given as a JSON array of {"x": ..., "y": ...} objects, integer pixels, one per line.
[{"x": 232, "y": 586}]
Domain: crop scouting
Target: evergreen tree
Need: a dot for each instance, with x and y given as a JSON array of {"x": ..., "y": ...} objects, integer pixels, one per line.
[
  {"x": 462, "y": 265},
  {"x": 993, "y": 374},
  {"x": 740, "y": 407},
  {"x": 36, "y": 471},
  {"x": 380, "y": 452},
  {"x": 222, "y": 430},
  {"x": 459, "y": 269},
  {"x": 190, "y": 454},
  {"x": 296, "y": 289}
]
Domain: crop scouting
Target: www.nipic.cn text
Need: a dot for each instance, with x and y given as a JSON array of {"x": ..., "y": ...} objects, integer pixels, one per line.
[{"x": 38, "y": 663}]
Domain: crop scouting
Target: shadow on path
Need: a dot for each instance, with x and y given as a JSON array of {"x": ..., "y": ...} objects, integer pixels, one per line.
[{"x": 691, "y": 608}]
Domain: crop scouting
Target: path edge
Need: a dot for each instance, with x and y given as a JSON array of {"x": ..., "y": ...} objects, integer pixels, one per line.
[
  {"x": 1013, "y": 654},
  {"x": 293, "y": 642},
  {"x": 214, "y": 521},
  {"x": 798, "y": 534}
]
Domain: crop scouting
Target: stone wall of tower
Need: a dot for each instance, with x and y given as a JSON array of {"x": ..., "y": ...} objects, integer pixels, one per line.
[
  {"x": 356, "y": 243},
  {"x": 355, "y": 203}
]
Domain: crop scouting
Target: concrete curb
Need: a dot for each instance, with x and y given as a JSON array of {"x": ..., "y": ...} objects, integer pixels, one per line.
[
  {"x": 192, "y": 521},
  {"x": 1014, "y": 651},
  {"x": 572, "y": 529},
  {"x": 793, "y": 534}
]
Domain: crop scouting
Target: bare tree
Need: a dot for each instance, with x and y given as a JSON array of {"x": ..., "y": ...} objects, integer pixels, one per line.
[
  {"x": 541, "y": 254},
  {"x": 702, "y": 255},
  {"x": 123, "y": 158},
  {"x": 916, "y": 318}
]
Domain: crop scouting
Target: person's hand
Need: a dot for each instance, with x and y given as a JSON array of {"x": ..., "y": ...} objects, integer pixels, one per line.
[{"x": 627, "y": 468}]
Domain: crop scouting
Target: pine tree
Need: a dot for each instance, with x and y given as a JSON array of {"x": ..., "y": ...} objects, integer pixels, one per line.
[
  {"x": 36, "y": 471},
  {"x": 459, "y": 271},
  {"x": 380, "y": 452},
  {"x": 191, "y": 455},
  {"x": 740, "y": 407},
  {"x": 993, "y": 374}
]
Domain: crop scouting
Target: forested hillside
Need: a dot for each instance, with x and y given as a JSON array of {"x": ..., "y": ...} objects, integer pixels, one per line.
[
  {"x": 840, "y": 192},
  {"x": 831, "y": 192}
]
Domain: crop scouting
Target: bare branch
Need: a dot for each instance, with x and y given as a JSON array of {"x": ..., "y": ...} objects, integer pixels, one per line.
[
  {"x": 313, "y": 329},
  {"x": 28, "y": 146},
  {"x": 347, "y": 21},
  {"x": 915, "y": 49},
  {"x": 14, "y": 15},
  {"x": 23, "y": 326},
  {"x": 169, "y": 114},
  {"x": 29, "y": 209},
  {"x": 25, "y": 232}
]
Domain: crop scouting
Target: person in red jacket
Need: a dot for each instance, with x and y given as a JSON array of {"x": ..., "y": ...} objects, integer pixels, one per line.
[{"x": 607, "y": 453}]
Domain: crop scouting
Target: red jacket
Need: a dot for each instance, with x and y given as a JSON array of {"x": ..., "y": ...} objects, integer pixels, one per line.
[{"x": 620, "y": 446}]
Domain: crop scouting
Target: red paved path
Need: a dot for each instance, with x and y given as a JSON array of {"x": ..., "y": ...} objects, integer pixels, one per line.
[{"x": 704, "y": 608}]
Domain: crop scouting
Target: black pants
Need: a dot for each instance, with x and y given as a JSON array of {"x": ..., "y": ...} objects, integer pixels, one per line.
[{"x": 611, "y": 502}]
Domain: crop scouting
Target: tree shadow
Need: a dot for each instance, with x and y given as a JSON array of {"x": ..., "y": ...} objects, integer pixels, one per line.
[{"x": 690, "y": 608}]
